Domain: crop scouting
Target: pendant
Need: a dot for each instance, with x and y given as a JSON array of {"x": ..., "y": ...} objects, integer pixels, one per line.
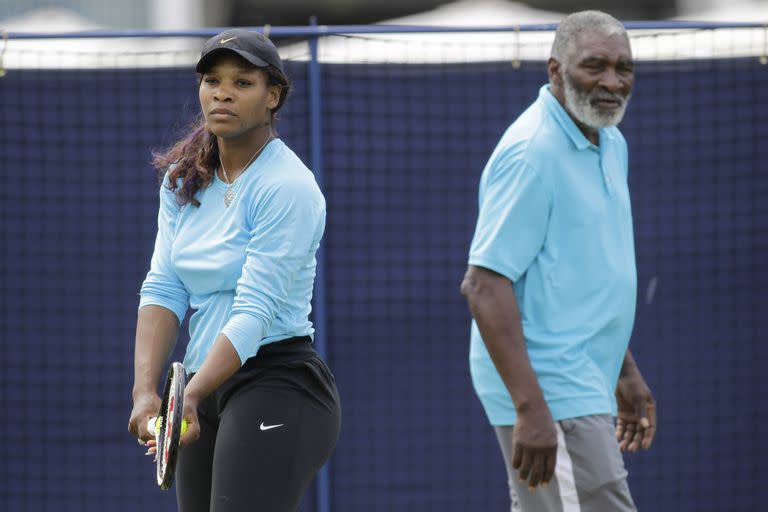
[{"x": 229, "y": 196}]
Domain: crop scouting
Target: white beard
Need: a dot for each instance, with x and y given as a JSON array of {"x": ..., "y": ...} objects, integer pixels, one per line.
[{"x": 581, "y": 107}]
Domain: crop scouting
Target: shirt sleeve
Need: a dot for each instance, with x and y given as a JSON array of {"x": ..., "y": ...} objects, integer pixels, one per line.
[
  {"x": 624, "y": 154},
  {"x": 286, "y": 230},
  {"x": 513, "y": 219},
  {"x": 162, "y": 286}
]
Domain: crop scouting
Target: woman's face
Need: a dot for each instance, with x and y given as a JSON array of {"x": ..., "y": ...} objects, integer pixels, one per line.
[{"x": 236, "y": 98}]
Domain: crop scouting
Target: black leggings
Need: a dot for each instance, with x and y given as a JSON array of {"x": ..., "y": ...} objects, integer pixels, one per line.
[{"x": 264, "y": 434}]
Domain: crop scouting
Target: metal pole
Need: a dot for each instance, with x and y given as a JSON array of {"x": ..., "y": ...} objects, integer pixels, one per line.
[{"x": 316, "y": 158}]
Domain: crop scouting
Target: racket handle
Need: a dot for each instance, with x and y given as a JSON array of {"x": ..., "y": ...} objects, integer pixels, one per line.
[
  {"x": 153, "y": 420},
  {"x": 151, "y": 425}
]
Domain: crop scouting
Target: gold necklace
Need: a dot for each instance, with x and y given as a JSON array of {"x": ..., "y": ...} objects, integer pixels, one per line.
[{"x": 229, "y": 195}]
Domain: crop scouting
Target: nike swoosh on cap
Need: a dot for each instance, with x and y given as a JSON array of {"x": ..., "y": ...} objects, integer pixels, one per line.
[{"x": 222, "y": 41}]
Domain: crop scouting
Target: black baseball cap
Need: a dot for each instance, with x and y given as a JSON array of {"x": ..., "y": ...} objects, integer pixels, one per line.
[{"x": 252, "y": 46}]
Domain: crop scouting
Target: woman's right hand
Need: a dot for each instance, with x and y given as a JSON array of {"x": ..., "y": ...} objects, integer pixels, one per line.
[{"x": 144, "y": 407}]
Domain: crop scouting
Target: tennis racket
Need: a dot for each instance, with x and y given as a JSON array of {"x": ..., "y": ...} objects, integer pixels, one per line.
[{"x": 169, "y": 425}]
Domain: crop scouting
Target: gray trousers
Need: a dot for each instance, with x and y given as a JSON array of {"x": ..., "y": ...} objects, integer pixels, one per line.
[{"x": 589, "y": 474}]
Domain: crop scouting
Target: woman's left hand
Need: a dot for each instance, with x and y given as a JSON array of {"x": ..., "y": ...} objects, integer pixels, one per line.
[{"x": 190, "y": 416}]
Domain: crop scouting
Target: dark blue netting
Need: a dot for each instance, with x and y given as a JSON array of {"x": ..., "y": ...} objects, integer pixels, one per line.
[{"x": 403, "y": 150}]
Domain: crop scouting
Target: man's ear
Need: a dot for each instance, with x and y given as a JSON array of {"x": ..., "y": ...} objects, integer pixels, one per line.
[{"x": 555, "y": 72}]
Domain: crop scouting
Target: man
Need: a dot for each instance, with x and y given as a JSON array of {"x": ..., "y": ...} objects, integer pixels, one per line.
[{"x": 552, "y": 283}]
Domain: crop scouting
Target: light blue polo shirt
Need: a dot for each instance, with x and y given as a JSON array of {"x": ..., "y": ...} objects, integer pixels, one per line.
[{"x": 555, "y": 218}]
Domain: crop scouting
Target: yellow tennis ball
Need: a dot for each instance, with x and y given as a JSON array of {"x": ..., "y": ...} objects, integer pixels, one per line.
[{"x": 155, "y": 424}]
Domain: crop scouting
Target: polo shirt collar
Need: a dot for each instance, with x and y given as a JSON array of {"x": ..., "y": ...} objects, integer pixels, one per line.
[{"x": 564, "y": 120}]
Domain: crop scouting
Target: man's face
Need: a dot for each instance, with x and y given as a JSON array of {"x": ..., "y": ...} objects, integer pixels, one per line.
[{"x": 598, "y": 78}]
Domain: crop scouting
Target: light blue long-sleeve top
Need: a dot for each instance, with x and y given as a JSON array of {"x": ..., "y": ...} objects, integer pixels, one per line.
[{"x": 246, "y": 270}]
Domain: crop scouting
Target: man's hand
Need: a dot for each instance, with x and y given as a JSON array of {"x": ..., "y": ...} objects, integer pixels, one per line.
[
  {"x": 534, "y": 445},
  {"x": 494, "y": 307},
  {"x": 636, "y": 422}
]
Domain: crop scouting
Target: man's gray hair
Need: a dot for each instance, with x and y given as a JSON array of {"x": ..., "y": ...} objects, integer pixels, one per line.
[{"x": 575, "y": 24}]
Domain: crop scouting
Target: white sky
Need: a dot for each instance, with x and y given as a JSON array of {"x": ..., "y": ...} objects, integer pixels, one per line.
[{"x": 414, "y": 48}]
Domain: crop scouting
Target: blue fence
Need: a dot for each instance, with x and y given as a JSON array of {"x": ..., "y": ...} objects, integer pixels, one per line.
[{"x": 399, "y": 149}]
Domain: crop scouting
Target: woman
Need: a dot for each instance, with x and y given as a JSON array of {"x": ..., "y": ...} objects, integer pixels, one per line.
[{"x": 240, "y": 220}]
